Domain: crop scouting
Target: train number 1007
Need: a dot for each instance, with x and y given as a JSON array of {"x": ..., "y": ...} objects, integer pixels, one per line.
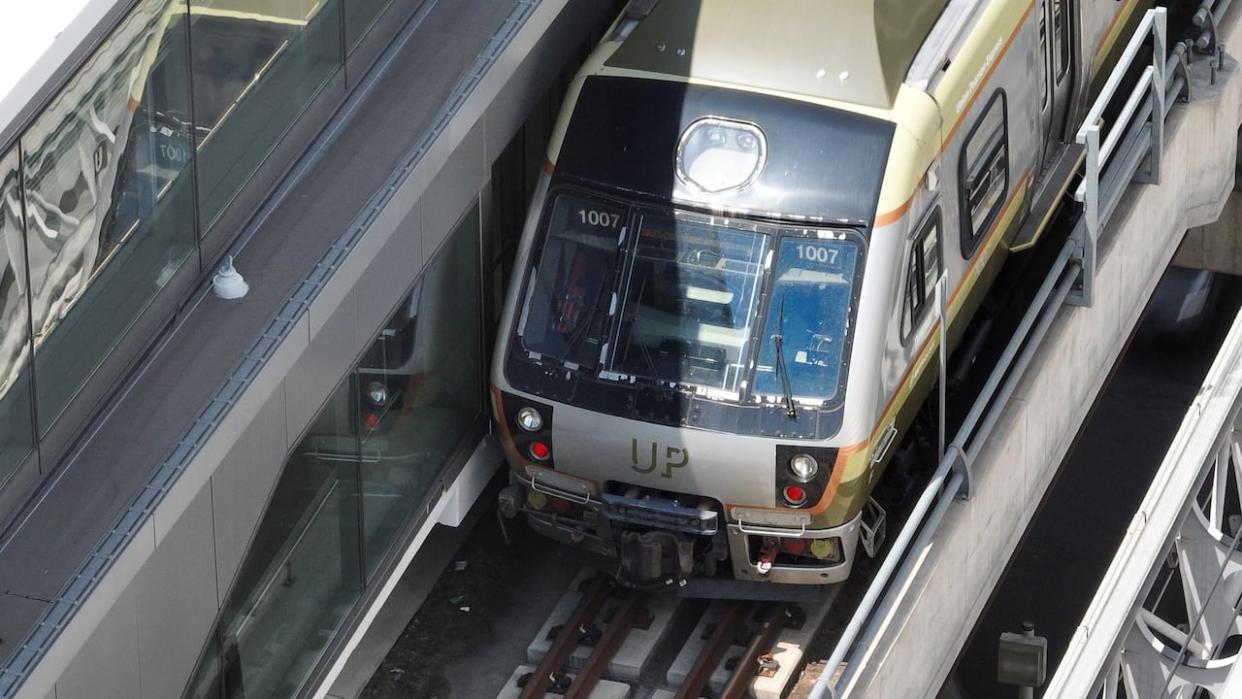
[
  {"x": 817, "y": 253},
  {"x": 599, "y": 218}
]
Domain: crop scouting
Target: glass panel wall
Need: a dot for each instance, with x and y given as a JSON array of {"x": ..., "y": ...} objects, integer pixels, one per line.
[
  {"x": 360, "y": 15},
  {"x": 302, "y": 574},
  {"x": 257, "y": 65},
  {"x": 366, "y": 464},
  {"x": 109, "y": 206},
  {"x": 16, "y": 420},
  {"x": 416, "y": 382}
]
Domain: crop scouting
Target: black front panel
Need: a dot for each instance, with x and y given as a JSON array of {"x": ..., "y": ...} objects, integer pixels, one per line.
[{"x": 822, "y": 164}]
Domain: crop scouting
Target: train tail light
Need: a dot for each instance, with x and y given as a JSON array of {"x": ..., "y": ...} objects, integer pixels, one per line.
[
  {"x": 559, "y": 505},
  {"x": 796, "y": 547},
  {"x": 540, "y": 451},
  {"x": 794, "y": 495}
]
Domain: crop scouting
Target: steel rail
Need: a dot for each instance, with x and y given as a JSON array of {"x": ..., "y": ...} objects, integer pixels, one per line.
[
  {"x": 717, "y": 643},
  {"x": 544, "y": 676},
  {"x": 775, "y": 618},
  {"x": 623, "y": 621}
]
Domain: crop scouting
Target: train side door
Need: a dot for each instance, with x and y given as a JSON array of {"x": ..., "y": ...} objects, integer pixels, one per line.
[
  {"x": 1043, "y": 18},
  {"x": 1055, "y": 76},
  {"x": 1061, "y": 59}
]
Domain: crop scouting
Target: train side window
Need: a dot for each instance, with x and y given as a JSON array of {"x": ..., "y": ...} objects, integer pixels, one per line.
[
  {"x": 983, "y": 172},
  {"x": 1045, "y": 78},
  {"x": 921, "y": 274},
  {"x": 1060, "y": 30}
]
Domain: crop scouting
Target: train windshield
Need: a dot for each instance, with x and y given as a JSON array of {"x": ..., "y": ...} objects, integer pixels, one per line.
[
  {"x": 689, "y": 302},
  {"x": 567, "y": 313},
  {"x": 810, "y": 312},
  {"x": 625, "y": 291}
]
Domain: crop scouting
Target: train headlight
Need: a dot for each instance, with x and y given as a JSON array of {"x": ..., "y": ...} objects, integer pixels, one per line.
[
  {"x": 529, "y": 419},
  {"x": 803, "y": 467},
  {"x": 377, "y": 392},
  {"x": 716, "y": 155}
]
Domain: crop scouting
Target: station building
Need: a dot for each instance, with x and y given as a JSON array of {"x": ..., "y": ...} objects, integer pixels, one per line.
[{"x": 211, "y": 498}]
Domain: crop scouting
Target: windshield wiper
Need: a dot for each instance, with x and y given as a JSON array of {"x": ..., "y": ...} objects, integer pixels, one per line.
[{"x": 778, "y": 342}]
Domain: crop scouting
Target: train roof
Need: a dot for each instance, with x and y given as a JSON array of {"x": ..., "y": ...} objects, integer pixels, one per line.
[{"x": 855, "y": 51}]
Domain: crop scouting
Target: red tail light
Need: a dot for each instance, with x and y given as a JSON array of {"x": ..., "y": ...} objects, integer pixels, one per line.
[
  {"x": 794, "y": 495},
  {"x": 796, "y": 547},
  {"x": 540, "y": 451}
]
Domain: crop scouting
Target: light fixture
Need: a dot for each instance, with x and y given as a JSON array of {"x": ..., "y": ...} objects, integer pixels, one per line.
[
  {"x": 718, "y": 155},
  {"x": 377, "y": 392},
  {"x": 794, "y": 495},
  {"x": 529, "y": 419},
  {"x": 540, "y": 451},
  {"x": 803, "y": 467}
]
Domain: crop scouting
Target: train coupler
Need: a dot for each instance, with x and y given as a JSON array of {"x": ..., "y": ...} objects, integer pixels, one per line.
[{"x": 654, "y": 559}]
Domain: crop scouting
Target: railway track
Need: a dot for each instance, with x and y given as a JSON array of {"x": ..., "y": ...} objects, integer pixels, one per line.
[{"x": 619, "y": 643}]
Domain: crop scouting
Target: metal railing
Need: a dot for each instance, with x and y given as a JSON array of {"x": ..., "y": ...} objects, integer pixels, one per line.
[
  {"x": 1137, "y": 134},
  {"x": 1141, "y": 123},
  {"x": 1184, "y": 536}
]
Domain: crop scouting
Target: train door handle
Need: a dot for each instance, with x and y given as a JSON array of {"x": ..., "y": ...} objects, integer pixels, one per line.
[{"x": 886, "y": 441}]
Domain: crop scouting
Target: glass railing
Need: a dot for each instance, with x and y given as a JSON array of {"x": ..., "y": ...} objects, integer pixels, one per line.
[{"x": 106, "y": 194}]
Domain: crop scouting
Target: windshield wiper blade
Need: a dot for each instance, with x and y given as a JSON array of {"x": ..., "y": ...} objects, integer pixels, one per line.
[{"x": 778, "y": 341}]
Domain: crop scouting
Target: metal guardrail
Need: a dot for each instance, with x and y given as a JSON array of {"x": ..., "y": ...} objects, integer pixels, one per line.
[
  {"x": 1145, "y": 137},
  {"x": 1135, "y": 136},
  {"x": 1185, "y": 536}
]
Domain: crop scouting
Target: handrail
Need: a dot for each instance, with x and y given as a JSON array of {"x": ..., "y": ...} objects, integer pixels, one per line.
[
  {"x": 1206, "y": 437},
  {"x": 1130, "y": 124}
]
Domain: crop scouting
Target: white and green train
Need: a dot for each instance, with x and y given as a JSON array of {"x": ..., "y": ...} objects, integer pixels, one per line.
[{"x": 721, "y": 316}]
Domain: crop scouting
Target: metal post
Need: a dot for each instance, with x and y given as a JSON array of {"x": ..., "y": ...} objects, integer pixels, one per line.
[
  {"x": 1159, "y": 30},
  {"x": 1089, "y": 233},
  {"x": 1027, "y": 691},
  {"x": 942, "y": 305}
]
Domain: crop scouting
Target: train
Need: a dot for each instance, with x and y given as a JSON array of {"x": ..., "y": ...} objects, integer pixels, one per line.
[{"x": 722, "y": 316}]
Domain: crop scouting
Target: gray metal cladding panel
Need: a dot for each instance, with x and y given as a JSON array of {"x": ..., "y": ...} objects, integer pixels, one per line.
[
  {"x": 177, "y": 590},
  {"x": 822, "y": 163},
  {"x": 311, "y": 380},
  {"x": 107, "y": 667},
  {"x": 454, "y": 189},
  {"x": 242, "y": 485}
]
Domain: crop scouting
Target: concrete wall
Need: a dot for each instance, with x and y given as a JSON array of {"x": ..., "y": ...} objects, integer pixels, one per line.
[
  {"x": 921, "y": 637},
  {"x": 141, "y": 631},
  {"x": 1218, "y": 245}
]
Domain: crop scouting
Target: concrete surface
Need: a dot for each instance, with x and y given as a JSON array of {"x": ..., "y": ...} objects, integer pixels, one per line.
[{"x": 604, "y": 690}]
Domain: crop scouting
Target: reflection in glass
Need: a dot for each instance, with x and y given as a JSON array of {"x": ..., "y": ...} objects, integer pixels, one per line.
[
  {"x": 567, "y": 312},
  {"x": 302, "y": 573},
  {"x": 257, "y": 64},
  {"x": 420, "y": 390},
  {"x": 414, "y": 396},
  {"x": 16, "y": 437},
  {"x": 108, "y": 201},
  {"x": 360, "y": 15},
  {"x": 811, "y": 308},
  {"x": 690, "y": 302}
]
